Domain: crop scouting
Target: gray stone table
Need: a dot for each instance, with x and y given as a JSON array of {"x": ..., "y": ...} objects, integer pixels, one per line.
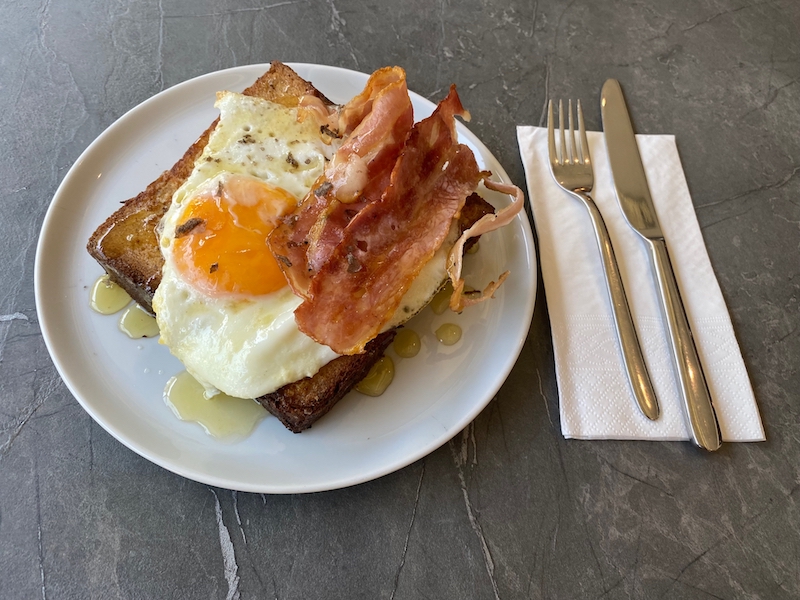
[{"x": 508, "y": 508}]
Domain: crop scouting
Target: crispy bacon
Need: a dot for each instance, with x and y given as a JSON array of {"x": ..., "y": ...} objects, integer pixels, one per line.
[
  {"x": 356, "y": 291},
  {"x": 375, "y": 125},
  {"x": 383, "y": 207}
]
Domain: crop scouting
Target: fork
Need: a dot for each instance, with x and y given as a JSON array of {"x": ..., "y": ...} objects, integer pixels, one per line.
[{"x": 572, "y": 169}]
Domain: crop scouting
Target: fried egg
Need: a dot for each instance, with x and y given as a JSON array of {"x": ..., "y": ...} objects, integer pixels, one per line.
[{"x": 223, "y": 305}]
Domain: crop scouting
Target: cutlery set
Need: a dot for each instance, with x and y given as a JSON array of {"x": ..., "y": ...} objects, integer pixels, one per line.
[{"x": 571, "y": 167}]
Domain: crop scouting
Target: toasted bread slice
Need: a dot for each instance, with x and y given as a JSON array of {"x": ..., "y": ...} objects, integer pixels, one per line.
[{"x": 126, "y": 246}]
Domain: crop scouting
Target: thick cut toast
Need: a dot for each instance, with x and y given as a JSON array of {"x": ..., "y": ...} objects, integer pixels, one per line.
[
  {"x": 126, "y": 246},
  {"x": 299, "y": 404}
]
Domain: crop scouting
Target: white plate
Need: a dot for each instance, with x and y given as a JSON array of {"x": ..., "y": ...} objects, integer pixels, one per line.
[{"x": 120, "y": 381}]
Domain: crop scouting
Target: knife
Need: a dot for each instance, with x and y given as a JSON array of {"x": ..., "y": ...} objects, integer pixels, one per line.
[{"x": 634, "y": 198}]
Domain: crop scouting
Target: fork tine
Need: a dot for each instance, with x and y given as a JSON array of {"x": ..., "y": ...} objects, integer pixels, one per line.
[
  {"x": 563, "y": 149},
  {"x": 573, "y": 150},
  {"x": 585, "y": 156},
  {"x": 551, "y": 134}
]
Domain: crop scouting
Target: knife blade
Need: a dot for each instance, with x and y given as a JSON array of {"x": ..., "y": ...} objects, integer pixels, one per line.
[{"x": 634, "y": 198}]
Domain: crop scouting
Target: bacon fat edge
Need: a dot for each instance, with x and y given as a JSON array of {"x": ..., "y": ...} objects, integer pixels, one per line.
[{"x": 460, "y": 300}]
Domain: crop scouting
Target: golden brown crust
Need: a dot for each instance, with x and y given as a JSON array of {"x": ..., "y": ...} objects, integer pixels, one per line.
[
  {"x": 298, "y": 405},
  {"x": 126, "y": 244}
]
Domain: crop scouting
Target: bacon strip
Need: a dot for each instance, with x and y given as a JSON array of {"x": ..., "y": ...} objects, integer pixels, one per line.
[
  {"x": 459, "y": 300},
  {"x": 376, "y": 124},
  {"x": 357, "y": 290}
]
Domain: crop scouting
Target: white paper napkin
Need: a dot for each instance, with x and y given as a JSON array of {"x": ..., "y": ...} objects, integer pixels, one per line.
[{"x": 595, "y": 400}]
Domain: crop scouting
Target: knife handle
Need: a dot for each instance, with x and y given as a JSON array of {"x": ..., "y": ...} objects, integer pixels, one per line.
[
  {"x": 638, "y": 377},
  {"x": 692, "y": 383}
]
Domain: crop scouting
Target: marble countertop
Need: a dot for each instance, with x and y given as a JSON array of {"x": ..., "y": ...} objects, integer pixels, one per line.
[{"x": 508, "y": 508}]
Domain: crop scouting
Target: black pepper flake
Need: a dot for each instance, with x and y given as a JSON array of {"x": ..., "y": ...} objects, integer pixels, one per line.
[
  {"x": 214, "y": 268},
  {"x": 187, "y": 227},
  {"x": 323, "y": 189},
  {"x": 247, "y": 139},
  {"x": 325, "y": 130},
  {"x": 292, "y": 160}
]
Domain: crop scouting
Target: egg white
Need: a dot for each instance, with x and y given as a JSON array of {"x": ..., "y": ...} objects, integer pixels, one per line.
[
  {"x": 264, "y": 140},
  {"x": 243, "y": 346}
]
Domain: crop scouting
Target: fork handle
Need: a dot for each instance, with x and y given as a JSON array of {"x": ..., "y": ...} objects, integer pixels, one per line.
[{"x": 638, "y": 377}]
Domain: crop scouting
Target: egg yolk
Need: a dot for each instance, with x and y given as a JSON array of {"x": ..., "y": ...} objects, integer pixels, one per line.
[{"x": 220, "y": 244}]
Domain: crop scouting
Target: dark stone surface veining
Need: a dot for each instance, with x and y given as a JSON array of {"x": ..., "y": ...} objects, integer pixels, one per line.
[{"x": 508, "y": 508}]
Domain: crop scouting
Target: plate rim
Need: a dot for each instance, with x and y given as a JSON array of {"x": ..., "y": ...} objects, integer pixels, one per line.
[{"x": 45, "y": 325}]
